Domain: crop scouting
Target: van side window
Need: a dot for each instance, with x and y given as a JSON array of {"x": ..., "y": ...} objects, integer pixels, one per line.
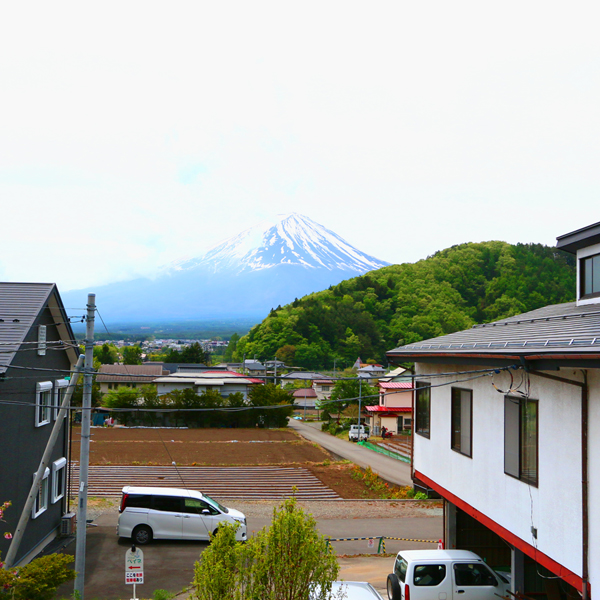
[
  {"x": 429, "y": 575},
  {"x": 400, "y": 569},
  {"x": 473, "y": 574},
  {"x": 195, "y": 506},
  {"x": 139, "y": 500},
  {"x": 167, "y": 503}
]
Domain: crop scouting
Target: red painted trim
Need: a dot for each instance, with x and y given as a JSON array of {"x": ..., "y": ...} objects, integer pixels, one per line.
[{"x": 544, "y": 560}]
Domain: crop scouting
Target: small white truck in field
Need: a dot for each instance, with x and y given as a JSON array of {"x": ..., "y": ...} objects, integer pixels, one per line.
[{"x": 354, "y": 435}]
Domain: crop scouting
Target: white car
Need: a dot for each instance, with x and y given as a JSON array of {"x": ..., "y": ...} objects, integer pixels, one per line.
[
  {"x": 352, "y": 590},
  {"x": 148, "y": 513},
  {"x": 358, "y": 435},
  {"x": 450, "y": 574}
]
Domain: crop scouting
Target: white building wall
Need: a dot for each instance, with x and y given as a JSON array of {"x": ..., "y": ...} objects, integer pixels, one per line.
[
  {"x": 594, "y": 479},
  {"x": 554, "y": 507}
]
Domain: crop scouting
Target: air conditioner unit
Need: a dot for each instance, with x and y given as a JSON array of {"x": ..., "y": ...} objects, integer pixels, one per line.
[{"x": 68, "y": 524}]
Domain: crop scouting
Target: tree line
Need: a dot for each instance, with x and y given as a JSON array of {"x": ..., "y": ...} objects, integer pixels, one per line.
[
  {"x": 267, "y": 406},
  {"x": 450, "y": 291}
]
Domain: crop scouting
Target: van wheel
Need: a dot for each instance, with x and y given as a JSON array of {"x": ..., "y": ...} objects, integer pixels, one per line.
[
  {"x": 393, "y": 587},
  {"x": 141, "y": 535}
]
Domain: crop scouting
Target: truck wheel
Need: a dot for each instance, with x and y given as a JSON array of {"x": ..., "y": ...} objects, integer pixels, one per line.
[{"x": 393, "y": 587}]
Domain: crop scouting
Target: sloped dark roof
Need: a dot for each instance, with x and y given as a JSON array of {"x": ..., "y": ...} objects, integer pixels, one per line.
[
  {"x": 586, "y": 236},
  {"x": 125, "y": 373},
  {"x": 565, "y": 330},
  {"x": 20, "y": 305}
]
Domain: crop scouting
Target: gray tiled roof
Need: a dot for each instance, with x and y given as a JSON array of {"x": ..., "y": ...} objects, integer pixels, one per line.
[
  {"x": 20, "y": 304},
  {"x": 125, "y": 373},
  {"x": 556, "y": 329}
]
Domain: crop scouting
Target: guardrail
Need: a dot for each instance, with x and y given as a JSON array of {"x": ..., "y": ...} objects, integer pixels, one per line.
[{"x": 381, "y": 538}]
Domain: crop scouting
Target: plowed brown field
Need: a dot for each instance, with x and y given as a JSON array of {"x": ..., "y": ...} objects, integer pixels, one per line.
[{"x": 226, "y": 447}]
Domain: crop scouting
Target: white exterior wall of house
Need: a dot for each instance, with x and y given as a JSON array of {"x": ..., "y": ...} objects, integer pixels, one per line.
[
  {"x": 554, "y": 507},
  {"x": 398, "y": 399},
  {"x": 594, "y": 478}
]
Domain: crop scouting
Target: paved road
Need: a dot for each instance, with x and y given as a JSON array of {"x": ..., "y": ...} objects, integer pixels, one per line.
[
  {"x": 390, "y": 469},
  {"x": 169, "y": 565}
]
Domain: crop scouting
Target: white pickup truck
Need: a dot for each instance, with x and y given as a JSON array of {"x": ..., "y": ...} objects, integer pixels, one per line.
[{"x": 354, "y": 435}]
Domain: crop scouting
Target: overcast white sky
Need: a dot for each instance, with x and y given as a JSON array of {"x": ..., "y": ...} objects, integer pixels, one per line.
[{"x": 135, "y": 133}]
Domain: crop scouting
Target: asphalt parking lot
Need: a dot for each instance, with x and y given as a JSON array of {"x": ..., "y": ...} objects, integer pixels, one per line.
[{"x": 169, "y": 565}]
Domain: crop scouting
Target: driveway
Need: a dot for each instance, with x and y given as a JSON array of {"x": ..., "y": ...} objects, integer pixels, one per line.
[
  {"x": 390, "y": 469},
  {"x": 169, "y": 565}
]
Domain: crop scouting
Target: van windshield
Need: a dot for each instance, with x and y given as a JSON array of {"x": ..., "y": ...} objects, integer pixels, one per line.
[{"x": 216, "y": 504}]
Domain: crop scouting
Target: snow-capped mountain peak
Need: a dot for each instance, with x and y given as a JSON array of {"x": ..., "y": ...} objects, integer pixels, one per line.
[{"x": 293, "y": 239}]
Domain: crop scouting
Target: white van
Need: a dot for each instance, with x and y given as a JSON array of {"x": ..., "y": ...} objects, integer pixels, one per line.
[
  {"x": 449, "y": 574},
  {"x": 148, "y": 513}
]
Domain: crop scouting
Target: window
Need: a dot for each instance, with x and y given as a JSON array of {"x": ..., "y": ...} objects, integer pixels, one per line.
[
  {"x": 43, "y": 403},
  {"x": 429, "y": 575},
  {"x": 461, "y": 421},
  {"x": 423, "y": 402},
  {"x": 521, "y": 439},
  {"x": 58, "y": 479},
  {"x": 40, "y": 503},
  {"x": 167, "y": 503},
  {"x": 60, "y": 387},
  {"x": 589, "y": 276},
  {"x": 473, "y": 575},
  {"x": 400, "y": 568}
]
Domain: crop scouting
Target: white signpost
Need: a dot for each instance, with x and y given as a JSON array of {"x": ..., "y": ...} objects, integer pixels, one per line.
[{"x": 134, "y": 567}]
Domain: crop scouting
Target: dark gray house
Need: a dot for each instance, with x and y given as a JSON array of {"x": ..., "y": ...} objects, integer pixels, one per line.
[{"x": 37, "y": 352}]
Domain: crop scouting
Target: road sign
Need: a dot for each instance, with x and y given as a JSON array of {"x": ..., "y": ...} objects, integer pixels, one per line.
[
  {"x": 134, "y": 566},
  {"x": 371, "y": 543}
]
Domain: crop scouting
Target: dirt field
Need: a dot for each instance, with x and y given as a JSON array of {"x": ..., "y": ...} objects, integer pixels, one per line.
[{"x": 227, "y": 447}]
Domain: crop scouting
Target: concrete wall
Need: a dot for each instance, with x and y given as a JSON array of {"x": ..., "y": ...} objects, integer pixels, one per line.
[{"x": 554, "y": 507}]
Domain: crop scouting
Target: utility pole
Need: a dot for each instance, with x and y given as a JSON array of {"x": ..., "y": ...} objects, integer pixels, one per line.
[
  {"x": 359, "y": 403},
  {"x": 275, "y": 377},
  {"x": 84, "y": 459},
  {"x": 33, "y": 492}
]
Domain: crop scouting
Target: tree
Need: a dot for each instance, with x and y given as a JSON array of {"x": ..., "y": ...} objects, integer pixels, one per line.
[
  {"x": 289, "y": 560},
  {"x": 193, "y": 354},
  {"x": 346, "y": 392},
  {"x": 231, "y": 346},
  {"x": 107, "y": 354},
  {"x": 286, "y": 354},
  {"x": 269, "y": 395},
  {"x": 132, "y": 355},
  {"x": 122, "y": 397}
]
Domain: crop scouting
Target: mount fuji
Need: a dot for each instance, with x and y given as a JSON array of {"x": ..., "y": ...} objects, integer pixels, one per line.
[{"x": 245, "y": 276}]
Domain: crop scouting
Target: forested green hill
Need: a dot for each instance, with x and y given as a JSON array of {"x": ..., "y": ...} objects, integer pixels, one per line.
[{"x": 449, "y": 291}]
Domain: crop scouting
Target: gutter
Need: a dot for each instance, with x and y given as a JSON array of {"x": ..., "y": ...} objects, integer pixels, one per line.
[{"x": 584, "y": 474}]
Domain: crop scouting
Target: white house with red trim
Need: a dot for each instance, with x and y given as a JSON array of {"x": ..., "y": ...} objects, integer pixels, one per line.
[
  {"x": 507, "y": 432},
  {"x": 394, "y": 411}
]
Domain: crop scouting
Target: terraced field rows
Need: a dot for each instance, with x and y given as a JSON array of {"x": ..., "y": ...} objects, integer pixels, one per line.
[{"x": 249, "y": 483}]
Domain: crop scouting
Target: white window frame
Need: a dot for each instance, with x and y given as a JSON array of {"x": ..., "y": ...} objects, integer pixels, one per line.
[
  {"x": 40, "y": 504},
  {"x": 43, "y": 403},
  {"x": 57, "y": 466},
  {"x": 59, "y": 384}
]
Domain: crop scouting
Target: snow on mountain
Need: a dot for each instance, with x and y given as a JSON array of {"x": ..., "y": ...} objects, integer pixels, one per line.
[
  {"x": 293, "y": 240},
  {"x": 265, "y": 266}
]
